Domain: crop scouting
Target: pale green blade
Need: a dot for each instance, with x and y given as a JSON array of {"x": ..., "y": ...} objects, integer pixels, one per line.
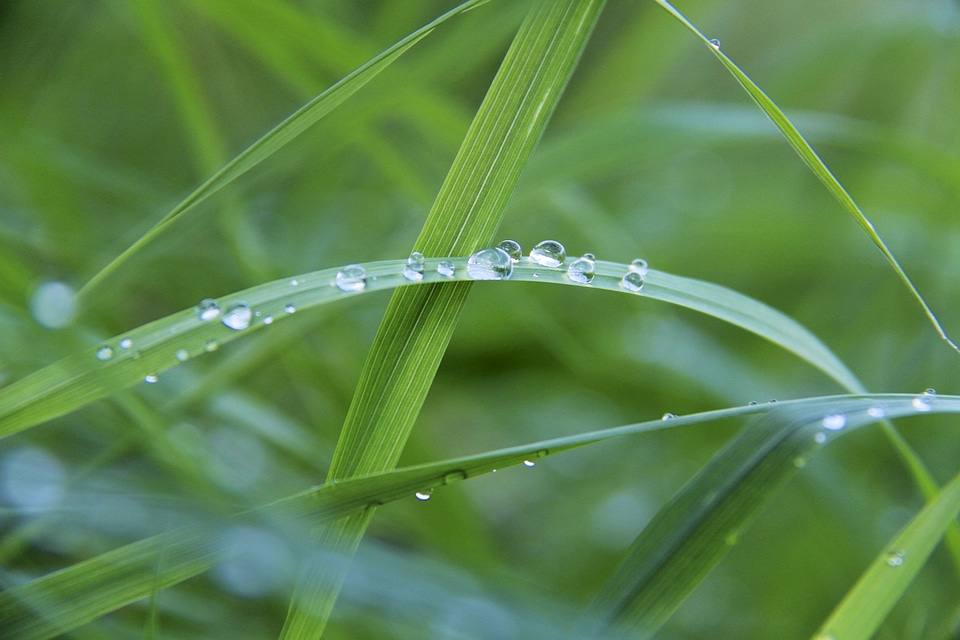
[
  {"x": 693, "y": 532},
  {"x": 79, "y": 379},
  {"x": 812, "y": 160},
  {"x": 866, "y": 605},
  {"x": 64, "y": 600},
  {"x": 298, "y": 122}
]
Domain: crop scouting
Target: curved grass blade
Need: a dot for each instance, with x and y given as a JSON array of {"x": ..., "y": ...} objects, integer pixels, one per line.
[
  {"x": 865, "y": 606},
  {"x": 279, "y": 136},
  {"x": 690, "y": 535},
  {"x": 131, "y": 357},
  {"x": 67, "y": 599},
  {"x": 816, "y": 165}
]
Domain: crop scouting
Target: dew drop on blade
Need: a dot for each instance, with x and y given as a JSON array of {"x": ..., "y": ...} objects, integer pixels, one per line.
[
  {"x": 668, "y": 416},
  {"x": 424, "y": 495},
  {"x": 151, "y": 378},
  {"x": 876, "y": 412},
  {"x": 929, "y": 392},
  {"x": 446, "y": 268},
  {"x": 208, "y": 309},
  {"x": 414, "y": 269},
  {"x": 835, "y": 421},
  {"x": 529, "y": 463},
  {"x": 268, "y": 320},
  {"x": 182, "y": 355},
  {"x": 632, "y": 281},
  {"x": 351, "y": 278},
  {"x": 294, "y": 283},
  {"x": 289, "y": 308},
  {"x": 126, "y": 343},
  {"x": 895, "y": 558},
  {"x": 105, "y": 352},
  {"x": 715, "y": 43},
  {"x": 211, "y": 345},
  {"x": 237, "y": 317},
  {"x": 489, "y": 264},
  {"x": 582, "y": 270},
  {"x": 639, "y": 266},
  {"x": 548, "y": 253},
  {"x": 512, "y": 248},
  {"x": 923, "y": 402}
]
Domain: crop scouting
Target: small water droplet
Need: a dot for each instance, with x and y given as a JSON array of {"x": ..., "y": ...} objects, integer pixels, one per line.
[
  {"x": 632, "y": 281},
  {"x": 454, "y": 476},
  {"x": 126, "y": 343},
  {"x": 548, "y": 253},
  {"x": 294, "y": 283},
  {"x": 268, "y": 320},
  {"x": 895, "y": 558},
  {"x": 529, "y": 463},
  {"x": 105, "y": 352},
  {"x": 820, "y": 437},
  {"x": 208, "y": 309},
  {"x": 753, "y": 403},
  {"x": 446, "y": 268},
  {"x": 414, "y": 269},
  {"x": 351, "y": 278},
  {"x": 929, "y": 392},
  {"x": 835, "y": 421},
  {"x": 512, "y": 248},
  {"x": 237, "y": 317},
  {"x": 490, "y": 264},
  {"x": 211, "y": 345},
  {"x": 923, "y": 402},
  {"x": 772, "y": 400},
  {"x": 876, "y": 412},
  {"x": 182, "y": 355},
  {"x": 290, "y": 308},
  {"x": 639, "y": 266},
  {"x": 799, "y": 462},
  {"x": 424, "y": 495},
  {"x": 582, "y": 270},
  {"x": 715, "y": 43},
  {"x": 668, "y": 416},
  {"x": 151, "y": 378},
  {"x": 589, "y": 256}
]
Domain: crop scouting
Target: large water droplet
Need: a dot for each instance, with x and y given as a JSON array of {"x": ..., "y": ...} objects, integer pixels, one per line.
[
  {"x": 351, "y": 278},
  {"x": 582, "y": 270},
  {"x": 414, "y": 269},
  {"x": 490, "y": 264},
  {"x": 53, "y": 305},
  {"x": 632, "y": 281},
  {"x": 105, "y": 352},
  {"x": 835, "y": 421},
  {"x": 715, "y": 43},
  {"x": 446, "y": 268},
  {"x": 512, "y": 248},
  {"x": 208, "y": 309},
  {"x": 237, "y": 317},
  {"x": 548, "y": 253},
  {"x": 424, "y": 495}
]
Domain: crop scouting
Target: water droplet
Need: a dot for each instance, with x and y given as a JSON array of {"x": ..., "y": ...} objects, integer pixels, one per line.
[
  {"x": 895, "y": 558},
  {"x": 929, "y": 392},
  {"x": 715, "y": 43},
  {"x": 632, "y": 281},
  {"x": 529, "y": 463},
  {"x": 414, "y": 269},
  {"x": 772, "y": 400},
  {"x": 835, "y": 421},
  {"x": 237, "y": 317},
  {"x": 290, "y": 308},
  {"x": 799, "y": 462},
  {"x": 820, "y": 437},
  {"x": 351, "y": 278},
  {"x": 446, "y": 268},
  {"x": 512, "y": 248},
  {"x": 490, "y": 264},
  {"x": 151, "y": 378},
  {"x": 639, "y": 266},
  {"x": 294, "y": 283},
  {"x": 105, "y": 352},
  {"x": 424, "y": 495},
  {"x": 548, "y": 253},
  {"x": 876, "y": 412},
  {"x": 752, "y": 403},
  {"x": 182, "y": 355},
  {"x": 53, "y": 305},
  {"x": 589, "y": 256},
  {"x": 668, "y": 416},
  {"x": 923, "y": 402},
  {"x": 268, "y": 320},
  {"x": 208, "y": 309},
  {"x": 126, "y": 343},
  {"x": 582, "y": 270},
  {"x": 210, "y": 345},
  {"x": 454, "y": 476}
]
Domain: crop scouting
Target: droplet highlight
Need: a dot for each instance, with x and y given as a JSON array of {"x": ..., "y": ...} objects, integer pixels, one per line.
[
  {"x": 835, "y": 421},
  {"x": 582, "y": 270},
  {"x": 423, "y": 496},
  {"x": 351, "y": 278},
  {"x": 413, "y": 271},
  {"x": 105, "y": 352},
  {"x": 548, "y": 253},
  {"x": 529, "y": 463},
  {"x": 208, "y": 309},
  {"x": 151, "y": 378},
  {"x": 512, "y": 248},
  {"x": 237, "y": 317},
  {"x": 446, "y": 268},
  {"x": 490, "y": 264}
]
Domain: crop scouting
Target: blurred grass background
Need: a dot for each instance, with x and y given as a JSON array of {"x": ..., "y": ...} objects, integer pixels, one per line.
[{"x": 111, "y": 112}]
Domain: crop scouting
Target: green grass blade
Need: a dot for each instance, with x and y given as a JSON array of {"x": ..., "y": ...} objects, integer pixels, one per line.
[
  {"x": 67, "y": 599},
  {"x": 419, "y": 323},
  {"x": 816, "y": 165},
  {"x": 691, "y": 534},
  {"x": 866, "y": 605},
  {"x": 79, "y": 379},
  {"x": 279, "y": 136}
]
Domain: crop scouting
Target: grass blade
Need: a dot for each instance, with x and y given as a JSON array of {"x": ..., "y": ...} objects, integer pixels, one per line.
[
  {"x": 816, "y": 165},
  {"x": 298, "y": 122},
  {"x": 866, "y": 605}
]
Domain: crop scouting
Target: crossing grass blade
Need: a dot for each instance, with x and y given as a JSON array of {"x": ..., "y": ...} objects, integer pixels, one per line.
[
  {"x": 278, "y": 137},
  {"x": 62, "y": 601},
  {"x": 816, "y": 165}
]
